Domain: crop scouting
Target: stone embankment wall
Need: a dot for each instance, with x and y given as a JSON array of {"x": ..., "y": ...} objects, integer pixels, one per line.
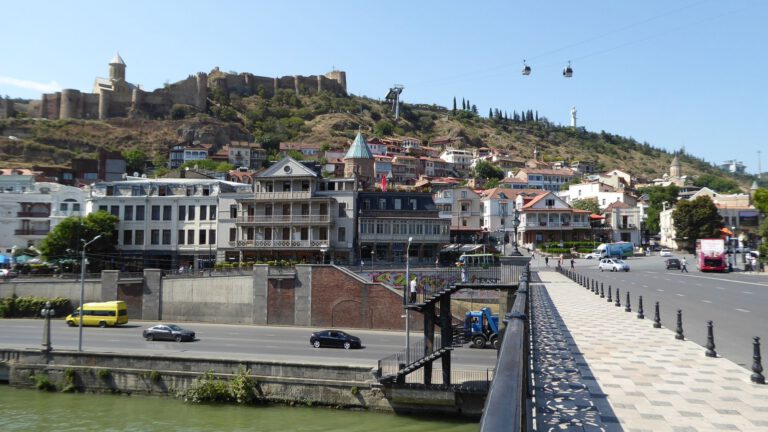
[{"x": 337, "y": 386}]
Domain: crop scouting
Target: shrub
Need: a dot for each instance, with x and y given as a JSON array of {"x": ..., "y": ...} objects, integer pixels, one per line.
[
  {"x": 42, "y": 382},
  {"x": 154, "y": 377},
  {"x": 69, "y": 381},
  {"x": 103, "y": 373},
  {"x": 241, "y": 389},
  {"x": 30, "y": 307}
]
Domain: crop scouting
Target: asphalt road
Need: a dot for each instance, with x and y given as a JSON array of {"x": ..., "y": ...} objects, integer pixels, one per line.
[
  {"x": 289, "y": 344},
  {"x": 737, "y": 302}
]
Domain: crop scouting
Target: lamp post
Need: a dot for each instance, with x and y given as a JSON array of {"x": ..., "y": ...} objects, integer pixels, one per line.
[
  {"x": 323, "y": 250},
  {"x": 82, "y": 291},
  {"x": 515, "y": 224},
  {"x": 405, "y": 302},
  {"x": 47, "y": 313}
]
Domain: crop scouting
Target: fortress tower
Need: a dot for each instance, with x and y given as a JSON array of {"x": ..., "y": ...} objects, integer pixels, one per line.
[{"x": 117, "y": 68}]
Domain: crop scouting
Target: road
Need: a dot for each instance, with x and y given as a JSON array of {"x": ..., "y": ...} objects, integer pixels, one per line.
[
  {"x": 736, "y": 302},
  {"x": 288, "y": 344}
]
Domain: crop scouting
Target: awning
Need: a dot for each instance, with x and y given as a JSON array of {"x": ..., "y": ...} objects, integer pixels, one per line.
[
  {"x": 726, "y": 231},
  {"x": 596, "y": 217}
]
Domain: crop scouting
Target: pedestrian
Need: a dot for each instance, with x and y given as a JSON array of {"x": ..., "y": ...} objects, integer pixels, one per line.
[
  {"x": 683, "y": 265},
  {"x": 560, "y": 261},
  {"x": 533, "y": 255},
  {"x": 573, "y": 261},
  {"x": 546, "y": 260},
  {"x": 413, "y": 289},
  {"x": 463, "y": 274},
  {"x": 181, "y": 269}
]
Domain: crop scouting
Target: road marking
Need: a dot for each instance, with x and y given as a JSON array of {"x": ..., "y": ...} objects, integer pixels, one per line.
[
  {"x": 699, "y": 285},
  {"x": 720, "y": 288},
  {"x": 747, "y": 292},
  {"x": 726, "y": 280},
  {"x": 706, "y": 301},
  {"x": 742, "y": 310},
  {"x": 681, "y": 295},
  {"x": 659, "y": 290},
  {"x": 645, "y": 286}
]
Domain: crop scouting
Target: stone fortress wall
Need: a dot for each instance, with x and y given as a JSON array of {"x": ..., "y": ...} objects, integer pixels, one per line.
[{"x": 194, "y": 91}]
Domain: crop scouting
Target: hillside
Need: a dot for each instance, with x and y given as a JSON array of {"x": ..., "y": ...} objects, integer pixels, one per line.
[{"x": 326, "y": 119}]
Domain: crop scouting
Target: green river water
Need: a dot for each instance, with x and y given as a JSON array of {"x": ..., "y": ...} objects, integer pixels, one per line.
[{"x": 34, "y": 410}]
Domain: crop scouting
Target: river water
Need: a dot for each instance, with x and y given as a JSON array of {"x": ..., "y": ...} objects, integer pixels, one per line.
[{"x": 28, "y": 410}]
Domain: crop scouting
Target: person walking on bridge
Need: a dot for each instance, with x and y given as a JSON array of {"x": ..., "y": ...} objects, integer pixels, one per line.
[{"x": 413, "y": 290}]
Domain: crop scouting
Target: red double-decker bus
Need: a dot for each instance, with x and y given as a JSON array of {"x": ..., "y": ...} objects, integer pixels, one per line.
[{"x": 710, "y": 255}]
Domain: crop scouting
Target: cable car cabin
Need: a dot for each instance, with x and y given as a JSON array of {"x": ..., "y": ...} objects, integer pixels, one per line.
[
  {"x": 478, "y": 261},
  {"x": 568, "y": 72},
  {"x": 526, "y": 69}
]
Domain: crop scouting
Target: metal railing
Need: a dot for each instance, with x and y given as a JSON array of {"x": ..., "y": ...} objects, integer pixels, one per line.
[
  {"x": 509, "y": 400},
  {"x": 282, "y": 219},
  {"x": 463, "y": 380}
]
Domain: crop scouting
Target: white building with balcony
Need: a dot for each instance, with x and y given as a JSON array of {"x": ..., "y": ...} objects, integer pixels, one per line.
[
  {"x": 461, "y": 159},
  {"x": 545, "y": 217},
  {"x": 463, "y": 208}
]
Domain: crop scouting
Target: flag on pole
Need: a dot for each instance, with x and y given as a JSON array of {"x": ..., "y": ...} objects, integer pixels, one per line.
[{"x": 383, "y": 183}]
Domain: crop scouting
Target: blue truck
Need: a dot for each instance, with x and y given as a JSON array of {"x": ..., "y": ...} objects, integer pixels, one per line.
[
  {"x": 616, "y": 250},
  {"x": 482, "y": 328}
]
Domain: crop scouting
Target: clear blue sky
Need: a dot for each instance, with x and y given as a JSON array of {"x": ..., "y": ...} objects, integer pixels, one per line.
[{"x": 687, "y": 73}]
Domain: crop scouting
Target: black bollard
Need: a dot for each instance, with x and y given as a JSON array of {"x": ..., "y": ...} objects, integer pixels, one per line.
[
  {"x": 597, "y": 288},
  {"x": 757, "y": 368},
  {"x": 657, "y": 317},
  {"x": 710, "y": 341},
  {"x": 640, "y": 314},
  {"x": 679, "y": 329},
  {"x": 618, "y": 298},
  {"x": 592, "y": 286},
  {"x": 628, "y": 307},
  {"x": 610, "y": 300},
  {"x": 602, "y": 291}
]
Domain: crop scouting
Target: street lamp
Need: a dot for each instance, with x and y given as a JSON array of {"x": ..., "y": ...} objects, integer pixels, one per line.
[
  {"x": 405, "y": 301},
  {"x": 515, "y": 224},
  {"x": 82, "y": 291},
  {"x": 323, "y": 251}
]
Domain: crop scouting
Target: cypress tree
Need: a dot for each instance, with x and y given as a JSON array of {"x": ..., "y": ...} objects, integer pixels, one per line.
[
  {"x": 463, "y": 105},
  {"x": 490, "y": 113},
  {"x": 454, "y": 104}
]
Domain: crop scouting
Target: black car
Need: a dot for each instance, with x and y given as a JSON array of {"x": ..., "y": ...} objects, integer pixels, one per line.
[
  {"x": 168, "y": 332},
  {"x": 672, "y": 263},
  {"x": 335, "y": 339}
]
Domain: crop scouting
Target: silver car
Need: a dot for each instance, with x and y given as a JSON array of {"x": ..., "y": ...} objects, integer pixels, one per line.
[{"x": 613, "y": 264}]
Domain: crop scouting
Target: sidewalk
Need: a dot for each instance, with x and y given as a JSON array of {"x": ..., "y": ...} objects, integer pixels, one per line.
[{"x": 650, "y": 380}]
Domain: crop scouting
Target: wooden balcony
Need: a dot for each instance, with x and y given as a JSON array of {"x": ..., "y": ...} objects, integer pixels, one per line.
[
  {"x": 33, "y": 214},
  {"x": 281, "y": 244},
  {"x": 31, "y": 232},
  {"x": 295, "y": 219},
  {"x": 282, "y": 196}
]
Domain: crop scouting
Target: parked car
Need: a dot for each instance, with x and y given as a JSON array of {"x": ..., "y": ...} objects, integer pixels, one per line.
[
  {"x": 334, "y": 338},
  {"x": 168, "y": 332},
  {"x": 672, "y": 263},
  {"x": 665, "y": 253},
  {"x": 595, "y": 255},
  {"x": 613, "y": 264},
  {"x": 8, "y": 273}
]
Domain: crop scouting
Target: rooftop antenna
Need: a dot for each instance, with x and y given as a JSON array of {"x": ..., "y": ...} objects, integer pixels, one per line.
[
  {"x": 759, "y": 168},
  {"x": 394, "y": 96}
]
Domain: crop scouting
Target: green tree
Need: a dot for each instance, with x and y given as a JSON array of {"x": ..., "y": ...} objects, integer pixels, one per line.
[
  {"x": 717, "y": 183},
  {"x": 486, "y": 170},
  {"x": 295, "y": 154},
  {"x": 454, "y": 105},
  {"x": 135, "y": 160},
  {"x": 696, "y": 219},
  {"x": 587, "y": 204},
  {"x": 384, "y": 128},
  {"x": 760, "y": 201},
  {"x": 657, "y": 196},
  {"x": 209, "y": 165},
  {"x": 66, "y": 239}
]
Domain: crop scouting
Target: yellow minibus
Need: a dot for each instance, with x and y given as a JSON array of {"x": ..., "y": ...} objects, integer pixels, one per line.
[{"x": 101, "y": 314}]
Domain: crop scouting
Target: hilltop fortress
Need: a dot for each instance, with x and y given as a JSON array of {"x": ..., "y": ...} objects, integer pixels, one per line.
[{"x": 116, "y": 97}]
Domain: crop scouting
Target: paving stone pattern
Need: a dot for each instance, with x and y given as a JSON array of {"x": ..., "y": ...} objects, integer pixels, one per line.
[{"x": 652, "y": 381}]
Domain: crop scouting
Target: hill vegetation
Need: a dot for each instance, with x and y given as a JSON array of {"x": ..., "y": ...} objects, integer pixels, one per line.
[{"x": 333, "y": 121}]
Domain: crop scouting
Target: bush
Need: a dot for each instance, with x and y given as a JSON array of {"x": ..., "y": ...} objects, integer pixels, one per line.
[
  {"x": 103, "y": 374},
  {"x": 242, "y": 389},
  {"x": 30, "y": 307},
  {"x": 42, "y": 382}
]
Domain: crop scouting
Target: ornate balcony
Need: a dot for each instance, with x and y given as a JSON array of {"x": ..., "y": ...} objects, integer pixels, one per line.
[
  {"x": 281, "y": 244},
  {"x": 294, "y": 219},
  {"x": 278, "y": 196}
]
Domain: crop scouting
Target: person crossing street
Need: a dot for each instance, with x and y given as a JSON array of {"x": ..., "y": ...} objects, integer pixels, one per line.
[{"x": 683, "y": 265}]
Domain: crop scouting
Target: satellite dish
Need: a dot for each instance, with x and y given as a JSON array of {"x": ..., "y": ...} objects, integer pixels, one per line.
[{"x": 135, "y": 173}]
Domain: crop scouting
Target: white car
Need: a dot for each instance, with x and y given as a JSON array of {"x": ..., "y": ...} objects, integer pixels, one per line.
[
  {"x": 665, "y": 253},
  {"x": 591, "y": 255},
  {"x": 613, "y": 264}
]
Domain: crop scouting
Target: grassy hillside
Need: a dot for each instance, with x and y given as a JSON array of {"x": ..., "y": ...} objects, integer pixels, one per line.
[{"x": 326, "y": 119}]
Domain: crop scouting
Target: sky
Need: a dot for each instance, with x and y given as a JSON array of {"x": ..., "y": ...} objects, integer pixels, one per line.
[{"x": 676, "y": 74}]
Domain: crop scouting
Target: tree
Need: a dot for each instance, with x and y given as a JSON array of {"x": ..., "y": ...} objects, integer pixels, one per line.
[
  {"x": 587, "y": 204},
  {"x": 384, "y": 128},
  {"x": 717, "y": 183},
  {"x": 486, "y": 170},
  {"x": 454, "y": 104},
  {"x": 135, "y": 160},
  {"x": 463, "y": 104},
  {"x": 696, "y": 219},
  {"x": 490, "y": 113},
  {"x": 760, "y": 201},
  {"x": 208, "y": 164},
  {"x": 657, "y": 196},
  {"x": 66, "y": 239}
]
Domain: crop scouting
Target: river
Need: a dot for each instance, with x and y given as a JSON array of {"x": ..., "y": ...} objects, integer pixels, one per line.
[{"x": 25, "y": 410}]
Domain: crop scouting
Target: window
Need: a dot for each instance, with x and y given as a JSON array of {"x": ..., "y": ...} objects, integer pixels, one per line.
[
  {"x": 550, "y": 203},
  {"x": 140, "y": 211},
  {"x": 342, "y": 237},
  {"x": 323, "y": 233},
  {"x": 190, "y": 237},
  {"x": 203, "y": 212},
  {"x": 161, "y": 190},
  {"x": 63, "y": 207},
  {"x": 127, "y": 237},
  {"x": 324, "y": 209},
  {"x": 211, "y": 236},
  {"x": 342, "y": 210},
  {"x": 103, "y": 208},
  {"x": 155, "y": 212},
  {"x": 154, "y": 237},
  {"x": 136, "y": 191},
  {"x": 138, "y": 238},
  {"x": 76, "y": 207},
  {"x": 201, "y": 237},
  {"x": 181, "y": 237},
  {"x": 232, "y": 234},
  {"x": 212, "y": 212},
  {"x": 167, "y": 210},
  {"x": 191, "y": 213},
  {"x": 166, "y": 236},
  {"x": 382, "y": 203},
  {"x": 128, "y": 213},
  {"x": 413, "y": 203},
  {"x": 206, "y": 190},
  {"x": 110, "y": 190},
  {"x": 233, "y": 211},
  {"x": 398, "y": 204},
  {"x": 182, "y": 212}
]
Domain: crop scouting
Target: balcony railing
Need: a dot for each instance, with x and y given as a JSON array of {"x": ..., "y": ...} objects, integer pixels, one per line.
[
  {"x": 33, "y": 214},
  {"x": 284, "y": 219},
  {"x": 31, "y": 231},
  {"x": 556, "y": 224},
  {"x": 272, "y": 196},
  {"x": 285, "y": 244}
]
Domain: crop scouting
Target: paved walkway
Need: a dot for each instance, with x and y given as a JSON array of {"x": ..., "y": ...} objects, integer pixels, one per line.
[{"x": 650, "y": 380}]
